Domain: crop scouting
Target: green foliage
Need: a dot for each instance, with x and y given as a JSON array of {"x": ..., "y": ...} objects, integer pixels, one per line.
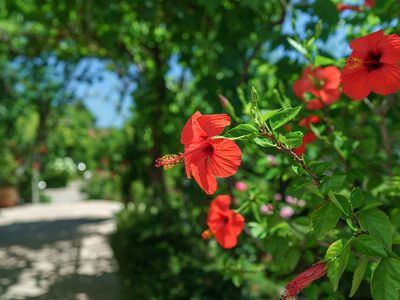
[
  {"x": 338, "y": 256},
  {"x": 324, "y": 219},
  {"x": 283, "y": 116},
  {"x": 377, "y": 223},
  {"x": 385, "y": 283},
  {"x": 158, "y": 261},
  {"x": 183, "y": 54},
  {"x": 358, "y": 275}
]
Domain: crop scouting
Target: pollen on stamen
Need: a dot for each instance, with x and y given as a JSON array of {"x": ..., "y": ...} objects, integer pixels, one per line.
[
  {"x": 169, "y": 161},
  {"x": 206, "y": 234},
  {"x": 354, "y": 62}
]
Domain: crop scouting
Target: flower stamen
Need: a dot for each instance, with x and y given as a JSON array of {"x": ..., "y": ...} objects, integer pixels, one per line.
[
  {"x": 206, "y": 234},
  {"x": 354, "y": 63},
  {"x": 169, "y": 161}
]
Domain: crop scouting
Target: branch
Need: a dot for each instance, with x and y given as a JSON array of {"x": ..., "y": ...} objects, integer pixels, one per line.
[{"x": 282, "y": 148}]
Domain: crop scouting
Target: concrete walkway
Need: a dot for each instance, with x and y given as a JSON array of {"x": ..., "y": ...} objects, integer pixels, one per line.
[{"x": 58, "y": 251}]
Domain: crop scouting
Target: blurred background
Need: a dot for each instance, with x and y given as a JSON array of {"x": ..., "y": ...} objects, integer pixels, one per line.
[{"x": 92, "y": 92}]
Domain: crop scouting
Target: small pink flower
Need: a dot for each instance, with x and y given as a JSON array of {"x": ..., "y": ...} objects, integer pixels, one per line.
[
  {"x": 301, "y": 203},
  {"x": 286, "y": 212},
  {"x": 278, "y": 197},
  {"x": 267, "y": 209},
  {"x": 241, "y": 186},
  {"x": 271, "y": 160},
  {"x": 291, "y": 200},
  {"x": 267, "y": 257}
]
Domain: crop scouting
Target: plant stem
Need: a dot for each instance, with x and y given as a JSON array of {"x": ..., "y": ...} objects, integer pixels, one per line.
[
  {"x": 281, "y": 147},
  {"x": 381, "y": 113}
]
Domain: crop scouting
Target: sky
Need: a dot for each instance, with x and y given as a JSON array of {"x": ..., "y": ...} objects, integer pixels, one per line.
[{"x": 103, "y": 95}]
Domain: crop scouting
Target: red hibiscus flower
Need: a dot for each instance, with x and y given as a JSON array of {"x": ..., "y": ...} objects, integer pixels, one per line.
[
  {"x": 373, "y": 66},
  {"x": 321, "y": 83},
  {"x": 306, "y": 122},
  {"x": 357, "y": 8},
  {"x": 303, "y": 280},
  {"x": 207, "y": 157},
  {"x": 369, "y": 3},
  {"x": 309, "y": 137},
  {"x": 343, "y": 7},
  {"x": 224, "y": 223}
]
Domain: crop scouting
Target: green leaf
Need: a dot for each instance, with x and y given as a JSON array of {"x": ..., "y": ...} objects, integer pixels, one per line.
[
  {"x": 240, "y": 132},
  {"x": 265, "y": 116},
  {"x": 264, "y": 142},
  {"x": 324, "y": 219},
  {"x": 254, "y": 94},
  {"x": 368, "y": 246},
  {"x": 337, "y": 266},
  {"x": 323, "y": 61},
  {"x": 357, "y": 198},
  {"x": 297, "y": 169},
  {"x": 334, "y": 183},
  {"x": 320, "y": 167},
  {"x": 327, "y": 11},
  {"x": 334, "y": 250},
  {"x": 297, "y": 46},
  {"x": 257, "y": 230},
  {"x": 385, "y": 281},
  {"x": 345, "y": 204},
  {"x": 284, "y": 116},
  {"x": 358, "y": 274},
  {"x": 293, "y": 139},
  {"x": 377, "y": 223},
  {"x": 338, "y": 203}
]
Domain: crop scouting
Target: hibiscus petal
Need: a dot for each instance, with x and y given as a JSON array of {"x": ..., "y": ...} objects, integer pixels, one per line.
[
  {"x": 225, "y": 158},
  {"x": 300, "y": 150},
  {"x": 329, "y": 96},
  {"x": 225, "y": 237},
  {"x": 390, "y": 49},
  {"x": 355, "y": 84},
  {"x": 204, "y": 179},
  {"x": 385, "y": 80},
  {"x": 314, "y": 104},
  {"x": 214, "y": 124},
  {"x": 190, "y": 129},
  {"x": 330, "y": 75},
  {"x": 221, "y": 202},
  {"x": 236, "y": 223},
  {"x": 304, "y": 83},
  {"x": 195, "y": 153},
  {"x": 368, "y": 43}
]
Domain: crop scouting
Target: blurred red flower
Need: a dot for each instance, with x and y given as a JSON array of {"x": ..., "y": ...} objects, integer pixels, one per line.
[
  {"x": 303, "y": 280},
  {"x": 309, "y": 137},
  {"x": 321, "y": 83},
  {"x": 206, "y": 156},
  {"x": 357, "y": 8},
  {"x": 306, "y": 122},
  {"x": 224, "y": 223},
  {"x": 369, "y": 3},
  {"x": 373, "y": 66},
  {"x": 343, "y": 7}
]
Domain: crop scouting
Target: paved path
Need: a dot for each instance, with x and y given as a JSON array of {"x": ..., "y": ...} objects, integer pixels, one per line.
[
  {"x": 65, "y": 195},
  {"x": 57, "y": 251}
]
